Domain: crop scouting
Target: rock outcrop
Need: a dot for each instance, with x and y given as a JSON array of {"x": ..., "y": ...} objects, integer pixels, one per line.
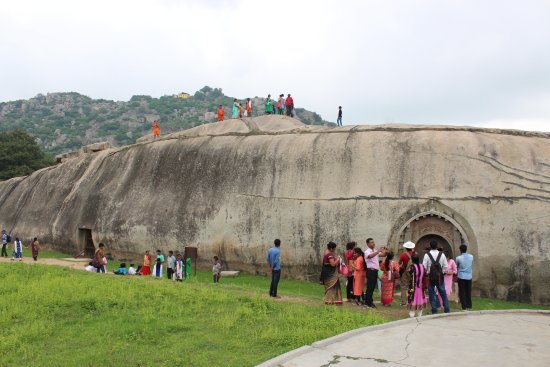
[{"x": 231, "y": 188}]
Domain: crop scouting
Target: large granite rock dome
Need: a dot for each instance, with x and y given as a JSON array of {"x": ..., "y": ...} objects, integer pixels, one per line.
[{"x": 233, "y": 187}]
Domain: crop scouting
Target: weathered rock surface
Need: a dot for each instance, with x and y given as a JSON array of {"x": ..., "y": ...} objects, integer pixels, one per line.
[{"x": 231, "y": 188}]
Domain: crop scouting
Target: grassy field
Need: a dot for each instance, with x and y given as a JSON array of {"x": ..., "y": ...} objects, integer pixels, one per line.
[{"x": 54, "y": 316}]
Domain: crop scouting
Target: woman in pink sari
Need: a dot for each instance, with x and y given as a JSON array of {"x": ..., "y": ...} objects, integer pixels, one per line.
[
  {"x": 391, "y": 273},
  {"x": 416, "y": 301}
]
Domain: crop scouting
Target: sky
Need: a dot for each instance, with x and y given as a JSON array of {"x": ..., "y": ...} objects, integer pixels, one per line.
[{"x": 465, "y": 62}]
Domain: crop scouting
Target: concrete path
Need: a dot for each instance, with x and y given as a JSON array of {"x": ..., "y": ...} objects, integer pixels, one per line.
[{"x": 487, "y": 338}]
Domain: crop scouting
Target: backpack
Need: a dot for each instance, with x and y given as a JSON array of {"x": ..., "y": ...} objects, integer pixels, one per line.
[
  {"x": 436, "y": 272},
  {"x": 8, "y": 238}
]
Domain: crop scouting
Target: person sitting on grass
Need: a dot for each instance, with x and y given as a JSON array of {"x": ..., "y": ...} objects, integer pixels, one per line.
[
  {"x": 90, "y": 267},
  {"x": 122, "y": 270},
  {"x": 132, "y": 270}
]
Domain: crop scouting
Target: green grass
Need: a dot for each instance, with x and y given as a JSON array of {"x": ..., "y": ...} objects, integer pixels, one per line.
[{"x": 54, "y": 316}]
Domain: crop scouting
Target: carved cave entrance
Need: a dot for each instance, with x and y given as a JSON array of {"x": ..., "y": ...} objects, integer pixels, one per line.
[
  {"x": 430, "y": 226},
  {"x": 85, "y": 243}
]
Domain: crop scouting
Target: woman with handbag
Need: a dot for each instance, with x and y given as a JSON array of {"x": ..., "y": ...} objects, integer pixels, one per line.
[
  {"x": 390, "y": 275},
  {"x": 329, "y": 276}
]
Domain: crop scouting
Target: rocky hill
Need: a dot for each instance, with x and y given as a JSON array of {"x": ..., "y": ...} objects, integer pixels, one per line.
[{"x": 63, "y": 122}]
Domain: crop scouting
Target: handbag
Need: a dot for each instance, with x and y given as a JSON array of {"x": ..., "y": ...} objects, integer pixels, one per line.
[{"x": 343, "y": 269}]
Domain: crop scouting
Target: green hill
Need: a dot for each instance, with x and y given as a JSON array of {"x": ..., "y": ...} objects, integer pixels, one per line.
[{"x": 63, "y": 122}]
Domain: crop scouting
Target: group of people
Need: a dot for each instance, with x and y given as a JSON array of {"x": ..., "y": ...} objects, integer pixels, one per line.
[
  {"x": 436, "y": 273},
  {"x": 17, "y": 253},
  {"x": 282, "y": 107},
  {"x": 177, "y": 268}
]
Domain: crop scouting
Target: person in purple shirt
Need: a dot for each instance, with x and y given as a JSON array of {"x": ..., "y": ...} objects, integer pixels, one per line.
[
  {"x": 373, "y": 265},
  {"x": 274, "y": 262}
]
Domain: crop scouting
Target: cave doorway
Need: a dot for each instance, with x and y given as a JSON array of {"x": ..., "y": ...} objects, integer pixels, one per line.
[
  {"x": 85, "y": 243},
  {"x": 424, "y": 243}
]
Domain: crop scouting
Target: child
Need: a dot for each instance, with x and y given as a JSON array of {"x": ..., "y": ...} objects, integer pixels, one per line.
[
  {"x": 104, "y": 266},
  {"x": 178, "y": 274},
  {"x": 216, "y": 269},
  {"x": 17, "y": 250},
  {"x": 157, "y": 270},
  {"x": 132, "y": 270},
  {"x": 91, "y": 268},
  {"x": 122, "y": 270}
]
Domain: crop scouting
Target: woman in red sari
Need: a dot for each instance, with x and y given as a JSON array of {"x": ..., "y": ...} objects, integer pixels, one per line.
[
  {"x": 390, "y": 275},
  {"x": 329, "y": 276},
  {"x": 146, "y": 268}
]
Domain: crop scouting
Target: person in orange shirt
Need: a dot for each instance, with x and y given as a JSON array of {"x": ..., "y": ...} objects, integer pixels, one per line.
[
  {"x": 221, "y": 113},
  {"x": 248, "y": 107},
  {"x": 156, "y": 129}
]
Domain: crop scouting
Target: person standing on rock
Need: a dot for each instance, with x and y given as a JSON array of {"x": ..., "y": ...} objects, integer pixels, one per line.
[
  {"x": 339, "y": 119},
  {"x": 4, "y": 243},
  {"x": 268, "y": 105},
  {"x": 221, "y": 113},
  {"x": 281, "y": 105},
  {"x": 405, "y": 263},
  {"x": 465, "y": 263},
  {"x": 289, "y": 103},
  {"x": 156, "y": 129},
  {"x": 35, "y": 246},
  {"x": 373, "y": 265},
  {"x": 235, "y": 108},
  {"x": 274, "y": 262},
  {"x": 248, "y": 107}
]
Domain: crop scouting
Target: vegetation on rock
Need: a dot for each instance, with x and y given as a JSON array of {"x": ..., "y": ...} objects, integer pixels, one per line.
[{"x": 66, "y": 121}]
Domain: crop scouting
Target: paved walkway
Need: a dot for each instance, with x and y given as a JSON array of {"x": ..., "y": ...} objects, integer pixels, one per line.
[{"x": 487, "y": 338}]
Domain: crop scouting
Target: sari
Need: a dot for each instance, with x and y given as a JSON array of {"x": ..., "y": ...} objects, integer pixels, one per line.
[
  {"x": 329, "y": 277},
  {"x": 416, "y": 299},
  {"x": 146, "y": 268},
  {"x": 178, "y": 272},
  {"x": 388, "y": 282}
]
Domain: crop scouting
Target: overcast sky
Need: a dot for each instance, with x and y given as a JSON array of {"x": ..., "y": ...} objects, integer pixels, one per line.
[{"x": 480, "y": 62}]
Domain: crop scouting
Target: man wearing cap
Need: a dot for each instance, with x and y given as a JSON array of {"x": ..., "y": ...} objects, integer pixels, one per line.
[{"x": 404, "y": 263}]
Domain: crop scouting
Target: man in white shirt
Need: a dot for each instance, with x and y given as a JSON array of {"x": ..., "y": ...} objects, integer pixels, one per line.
[
  {"x": 436, "y": 256},
  {"x": 372, "y": 263}
]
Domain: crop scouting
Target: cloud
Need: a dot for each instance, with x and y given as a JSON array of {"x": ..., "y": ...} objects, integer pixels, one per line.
[{"x": 453, "y": 62}]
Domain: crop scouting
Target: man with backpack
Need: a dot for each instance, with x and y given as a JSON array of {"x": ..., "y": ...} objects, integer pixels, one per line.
[
  {"x": 435, "y": 264},
  {"x": 404, "y": 265}
]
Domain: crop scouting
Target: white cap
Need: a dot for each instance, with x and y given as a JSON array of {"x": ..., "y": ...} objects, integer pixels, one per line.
[{"x": 410, "y": 245}]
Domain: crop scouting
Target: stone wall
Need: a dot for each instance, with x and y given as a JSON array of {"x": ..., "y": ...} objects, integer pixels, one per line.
[{"x": 231, "y": 188}]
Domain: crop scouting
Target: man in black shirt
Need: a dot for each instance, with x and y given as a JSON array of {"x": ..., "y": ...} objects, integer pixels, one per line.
[{"x": 339, "y": 120}]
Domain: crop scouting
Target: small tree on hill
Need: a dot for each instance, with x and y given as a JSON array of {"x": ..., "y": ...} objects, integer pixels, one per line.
[{"x": 20, "y": 155}]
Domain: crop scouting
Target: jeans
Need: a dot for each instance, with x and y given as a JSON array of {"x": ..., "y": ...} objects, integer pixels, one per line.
[
  {"x": 372, "y": 279},
  {"x": 4, "y": 252},
  {"x": 339, "y": 121},
  {"x": 100, "y": 269},
  {"x": 275, "y": 276},
  {"x": 434, "y": 300},
  {"x": 465, "y": 293}
]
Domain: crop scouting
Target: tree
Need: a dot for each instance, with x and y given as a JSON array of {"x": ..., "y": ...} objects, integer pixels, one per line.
[{"x": 20, "y": 154}]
